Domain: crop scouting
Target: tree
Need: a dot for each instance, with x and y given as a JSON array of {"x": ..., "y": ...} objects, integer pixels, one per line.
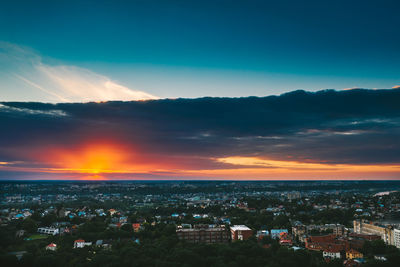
[{"x": 29, "y": 225}]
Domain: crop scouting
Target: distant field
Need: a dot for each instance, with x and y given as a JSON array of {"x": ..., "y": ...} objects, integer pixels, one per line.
[{"x": 37, "y": 236}]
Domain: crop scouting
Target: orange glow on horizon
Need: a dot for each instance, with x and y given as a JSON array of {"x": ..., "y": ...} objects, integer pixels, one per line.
[
  {"x": 91, "y": 159},
  {"x": 95, "y": 160},
  {"x": 257, "y": 168},
  {"x": 110, "y": 160}
]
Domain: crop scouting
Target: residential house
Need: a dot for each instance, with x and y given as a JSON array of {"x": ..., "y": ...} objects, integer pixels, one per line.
[
  {"x": 331, "y": 253},
  {"x": 80, "y": 243},
  {"x": 51, "y": 246},
  {"x": 353, "y": 254}
]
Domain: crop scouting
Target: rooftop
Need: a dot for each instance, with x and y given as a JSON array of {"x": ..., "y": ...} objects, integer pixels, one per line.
[{"x": 240, "y": 228}]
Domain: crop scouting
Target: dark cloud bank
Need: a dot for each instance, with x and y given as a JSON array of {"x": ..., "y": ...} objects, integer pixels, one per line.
[{"x": 356, "y": 126}]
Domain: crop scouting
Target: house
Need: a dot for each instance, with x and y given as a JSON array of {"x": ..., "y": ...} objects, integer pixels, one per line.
[
  {"x": 285, "y": 239},
  {"x": 353, "y": 254},
  {"x": 240, "y": 232},
  {"x": 136, "y": 227},
  {"x": 20, "y": 233},
  {"x": 51, "y": 246},
  {"x": 276, "y": 233},
  {"x": 48, "y": 230},
  {"x": 103, "y": 244},
  {"x": 123, "y": 219},
  {"x": 112, "y": 211},
  {"x": 321, "y": 243},
  {"x": 331, "y": 253},
  {"x": 80, "y": 243},
  {"x": 261, "y": 234}
]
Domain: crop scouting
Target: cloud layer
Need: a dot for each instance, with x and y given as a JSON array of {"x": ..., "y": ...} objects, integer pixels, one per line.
[
  {"x": 29, "y": 74},
  {"x": 326, "y": 134}
]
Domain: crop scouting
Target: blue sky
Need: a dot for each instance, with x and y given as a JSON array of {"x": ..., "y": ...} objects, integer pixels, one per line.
[{"x": 201, "y": 48}]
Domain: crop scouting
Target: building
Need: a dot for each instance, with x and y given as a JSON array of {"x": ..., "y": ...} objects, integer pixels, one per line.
[
  {"x": 370, "y": 228},
  {"x": 240, "y": 232},
  {"x": 396, "y": 237},
  {"x": 48, "y": 230},
  {"x": 331, "y": 253},
  {"x": 353, "y": 254},
  {"x": 51, "y": 246},
  {"x": 326, "y": 242},
  {"x": 338, "y": 230},
  {"x": 261, "y": 234},
  {"x": 204, "y": 234},
  {"x": 276, "y": 233},
  {"x": 20, "y": 233},
  {"x": 300, "y": 231},
  {"x": 136, "y": 227},
  {"x": 112, "y": 211},
  {"x": 285, "y": 239},
  {"x": 80, "y": 243}
]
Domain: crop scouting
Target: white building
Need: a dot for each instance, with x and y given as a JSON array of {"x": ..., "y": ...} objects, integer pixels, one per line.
[
  {"x": 333, "y": 254},
  {"x": 396, "y": 237},
  {"x": 48, "y": 230},
  {"x": 80, "y": 243}
]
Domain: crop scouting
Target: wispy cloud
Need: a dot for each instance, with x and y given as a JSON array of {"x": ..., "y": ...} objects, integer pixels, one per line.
[
  {"x": 396, "y": 87},
  {"x": 60, "y": 82},
  {"x": 52, "y": 112}
]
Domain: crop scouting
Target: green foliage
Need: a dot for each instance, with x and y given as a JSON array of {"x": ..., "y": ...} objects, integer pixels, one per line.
[{"x": 30, "y": 225}]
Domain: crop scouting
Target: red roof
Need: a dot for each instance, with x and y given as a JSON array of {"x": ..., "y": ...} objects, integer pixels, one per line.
[
  {"x": 79, "y": 241},
  {"x": 51, "y": 245},
  {"x": 324, "y": 238}
]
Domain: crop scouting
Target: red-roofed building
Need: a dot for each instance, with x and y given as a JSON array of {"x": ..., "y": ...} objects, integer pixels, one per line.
[
  {"x": 240, "y": 232},
  {"x": 327, "y": 242},
  {"x": 136, "y": 227},
  {"x": 285, "y": 239},
  {"x": 51, "y": 246}
]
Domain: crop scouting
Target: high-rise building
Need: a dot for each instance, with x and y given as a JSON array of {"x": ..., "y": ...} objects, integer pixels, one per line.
[
  {"x": 370, "y": 228},
  {"x": 396, "y": 237}
]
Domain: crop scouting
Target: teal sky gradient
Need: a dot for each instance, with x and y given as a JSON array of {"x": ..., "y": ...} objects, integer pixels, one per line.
[{"x": 173, "y": 49}]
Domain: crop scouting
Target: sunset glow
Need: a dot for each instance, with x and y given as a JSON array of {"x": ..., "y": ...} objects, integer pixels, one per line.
[
  {"x": 93, "y": 159},
  {"x": 200, "y": 139}
]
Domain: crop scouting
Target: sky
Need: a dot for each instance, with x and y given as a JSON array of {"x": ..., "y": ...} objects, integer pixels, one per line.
[{"x": 181, "y": 75}]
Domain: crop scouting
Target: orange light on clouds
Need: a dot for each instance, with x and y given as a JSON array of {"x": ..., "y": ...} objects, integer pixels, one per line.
[
  {"x": 95, "y": 160},
  {"x": 99, "y": 160},
  {"x": 258, "y": 168},
  {"x": 111, "y": 160}
]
